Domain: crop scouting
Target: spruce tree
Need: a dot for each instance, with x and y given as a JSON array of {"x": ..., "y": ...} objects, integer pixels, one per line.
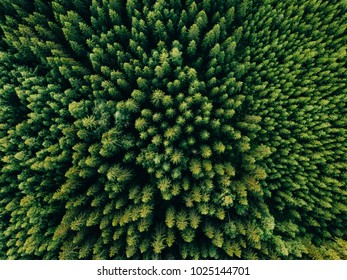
[{"x": 173, "y": 129}]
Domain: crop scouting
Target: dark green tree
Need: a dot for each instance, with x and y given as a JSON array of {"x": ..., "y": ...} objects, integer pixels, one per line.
[{"x": 173, "y": 129}]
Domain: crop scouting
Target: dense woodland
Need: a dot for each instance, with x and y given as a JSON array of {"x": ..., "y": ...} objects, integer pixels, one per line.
[{"x": 167, "y": 129}]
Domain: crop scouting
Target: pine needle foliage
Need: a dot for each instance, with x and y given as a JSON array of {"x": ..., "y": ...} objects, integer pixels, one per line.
[{"x": 151, "y": 129}]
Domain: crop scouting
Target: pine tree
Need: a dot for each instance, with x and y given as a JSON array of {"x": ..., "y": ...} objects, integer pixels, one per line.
[{"x": 169, "y": 129}]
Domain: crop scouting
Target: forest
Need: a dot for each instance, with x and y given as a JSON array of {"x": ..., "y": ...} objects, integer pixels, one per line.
[{"x": 166, "y": 129}]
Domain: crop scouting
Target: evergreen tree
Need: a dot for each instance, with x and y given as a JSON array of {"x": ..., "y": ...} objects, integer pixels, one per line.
[{"x": 173, "y": 129}]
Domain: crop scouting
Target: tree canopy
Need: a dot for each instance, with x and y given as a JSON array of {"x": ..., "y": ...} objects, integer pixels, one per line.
[{"x": 173, "y": 129}]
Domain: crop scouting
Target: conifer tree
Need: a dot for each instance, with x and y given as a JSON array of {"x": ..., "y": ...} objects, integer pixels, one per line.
[{"x": 173, "y": 129}]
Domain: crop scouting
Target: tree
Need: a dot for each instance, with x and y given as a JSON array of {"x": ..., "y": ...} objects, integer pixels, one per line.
[{"x": 173, "y": 129}]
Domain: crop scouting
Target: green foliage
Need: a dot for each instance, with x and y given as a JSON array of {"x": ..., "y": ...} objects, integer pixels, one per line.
[{"x": 173, "y": 129}]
